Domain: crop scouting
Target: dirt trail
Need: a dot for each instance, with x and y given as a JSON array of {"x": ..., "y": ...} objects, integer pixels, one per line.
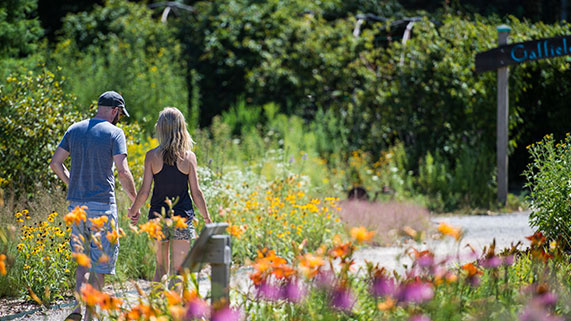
[{"x": 479, "y": 232}]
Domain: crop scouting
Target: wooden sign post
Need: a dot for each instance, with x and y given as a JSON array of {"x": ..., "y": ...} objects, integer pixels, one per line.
[
  {"x": 502, "y": 121},
  {"x": 214, "y": 248},
  {"x": 499, "y": 59}
]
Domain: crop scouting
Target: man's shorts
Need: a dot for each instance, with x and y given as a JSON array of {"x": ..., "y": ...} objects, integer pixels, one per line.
[{"x": 90, "y": 246}]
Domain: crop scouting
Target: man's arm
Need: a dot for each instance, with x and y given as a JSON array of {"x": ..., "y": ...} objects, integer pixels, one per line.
[
  {"x": 125, "y": 176},
  {"x": 56, "y": 164}
]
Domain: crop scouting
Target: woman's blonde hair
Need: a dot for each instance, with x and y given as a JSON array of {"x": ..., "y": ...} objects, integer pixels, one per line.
[{"x": 174, "y": 139}]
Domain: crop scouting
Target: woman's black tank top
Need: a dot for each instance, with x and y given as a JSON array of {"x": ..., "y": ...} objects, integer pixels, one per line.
[{"x": 171, "y": 183}]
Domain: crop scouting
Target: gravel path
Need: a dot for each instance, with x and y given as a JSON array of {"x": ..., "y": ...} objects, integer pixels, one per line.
[{"x": 479, "y": 232}]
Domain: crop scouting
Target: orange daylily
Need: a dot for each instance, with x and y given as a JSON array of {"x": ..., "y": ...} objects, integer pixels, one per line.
[
  {"x": 309, "y": 264},
  {"x": 153, "y": 228},
  {"x": 77, "y": 215},
  {"x": 360, "y": 234},
  {"x": 82, "y": 259},
  {"x": 449, "y": 230},
  {"x": 99, "y": 222},
  {"x": 180, "y": 222},
  {"x": 471, "y": 270},
  {"x": 3, "y": 264}
]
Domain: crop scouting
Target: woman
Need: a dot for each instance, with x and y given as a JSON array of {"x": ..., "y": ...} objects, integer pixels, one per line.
[{"x": 172, "y": 168}]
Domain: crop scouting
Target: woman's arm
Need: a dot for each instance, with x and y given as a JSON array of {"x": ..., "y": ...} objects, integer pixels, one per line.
[
  {"x": 143, "y": 191},
  {"x": 195, "y": 191}
]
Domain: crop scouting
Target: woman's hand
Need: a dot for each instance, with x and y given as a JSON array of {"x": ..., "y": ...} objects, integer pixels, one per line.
[
  {"x": 207, "y": 220},
  {"x": 134, "y": 215}
]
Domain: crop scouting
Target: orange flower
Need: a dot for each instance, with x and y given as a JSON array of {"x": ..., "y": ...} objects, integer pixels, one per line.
[
  {"x": 360, "y": 234},
  {"x": 235, "y": 230},
  {"x": 388, "y": 304},
  {"x": 99, "y": 222},
  {"x": 76, "y": 215},
  {"x": 180, "y": 222},
  {"x": 3, "y": 264},
  {"x": 153, "y": 228},
  {"x": 90, "y": 295},
  {"x": 173, "y": 298},
  {"x": 113, "y": 237},
  {"x": 309, "y": 264},
  {"x": 82, "y": 259},
  {"x": 449, "y": 230},
  {"x": 471, "y": 270},
  {"x": 341, "y": 251},
  {"x": 110, "y": 303}
]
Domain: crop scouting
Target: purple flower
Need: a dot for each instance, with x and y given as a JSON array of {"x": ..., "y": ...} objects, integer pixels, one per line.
[
  {"x": 197, "y": 309},
  {"x": 342, "y": 299},
  {"x": 382, "y": 286},
  {"x": 304, "y": 157},
  {"x": 492, "y": 262},
  {"x": 419, "y": 317},
  {"x": 293, "y": 292},
  {"x": 546, "y": 299},
  {"x": 417, "y": 292},
  {"x": 226, "y": 314},
  {"x": 269, "y": 292},
  {"x": 291, "y": 159},
  {"x": 324, "y": 279},
  {"x": 536, "y": 313},
  {"x": 425, "y": 261},
  {"x": 509, "y": 260}
]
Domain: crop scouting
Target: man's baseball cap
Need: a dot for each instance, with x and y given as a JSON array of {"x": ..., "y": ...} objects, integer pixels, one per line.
[{"x": 112, "y": 99}]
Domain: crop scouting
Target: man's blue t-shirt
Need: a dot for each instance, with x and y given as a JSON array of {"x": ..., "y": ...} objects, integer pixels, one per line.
[{"x": 92, "y": 143}]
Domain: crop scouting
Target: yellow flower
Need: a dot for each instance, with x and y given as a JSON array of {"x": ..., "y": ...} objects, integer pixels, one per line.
[{"x": 360, "y": 234}]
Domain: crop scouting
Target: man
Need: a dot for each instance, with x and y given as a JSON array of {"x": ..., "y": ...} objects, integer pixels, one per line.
[{"x": 94, "y": 145}]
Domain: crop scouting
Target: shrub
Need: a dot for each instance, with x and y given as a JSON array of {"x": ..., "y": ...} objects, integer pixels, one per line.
[
  {"x": 34, "y": 114},
  {"x": 548, "y": 178}
]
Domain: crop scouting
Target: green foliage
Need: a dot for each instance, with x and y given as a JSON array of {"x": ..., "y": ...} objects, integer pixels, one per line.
[
  {"x": 34, "y": 114},
  {"x": 549, "y": 181},
  {"x": 121, "y": 47},
  {"x": 20, "y": 28}
]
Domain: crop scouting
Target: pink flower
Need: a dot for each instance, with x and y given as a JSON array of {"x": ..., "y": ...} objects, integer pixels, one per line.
[
  {"x": 342, "y": 299},
  {"x": 416, "y": 292},
  {"x": 226, "y": 314},
  {"x": 382, "y": 286},
  {"x": 197, "y": 309},
  {"x": 491, "y": 263},
  {"x": 508, "y": 260},
  {"x": 269, "y": 291},
  {"x": 292, "y": 292}
]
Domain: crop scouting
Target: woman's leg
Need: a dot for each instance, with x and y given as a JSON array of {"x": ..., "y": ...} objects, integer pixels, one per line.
[
  {"x": 162, "y": 254},
  {"x": 180, "y": 249}
]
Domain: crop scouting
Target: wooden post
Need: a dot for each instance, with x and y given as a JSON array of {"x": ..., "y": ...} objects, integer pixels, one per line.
[
  {"x": 212, "y": 248},
  {"x": 502, "y": 121},
  {"x": 219, "y": 257}
]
